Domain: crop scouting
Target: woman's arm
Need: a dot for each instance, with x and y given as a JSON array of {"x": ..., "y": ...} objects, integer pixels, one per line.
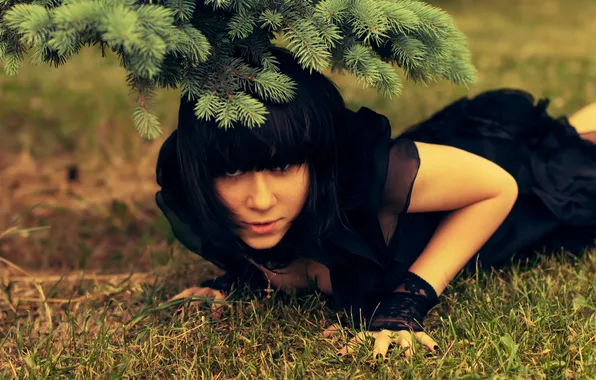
[
  {"x": 459, "y": 237},
  {"x": 480, "y": 193}
]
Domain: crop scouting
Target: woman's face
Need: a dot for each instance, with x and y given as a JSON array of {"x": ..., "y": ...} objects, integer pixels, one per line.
[{"x": 264, "y": 202}]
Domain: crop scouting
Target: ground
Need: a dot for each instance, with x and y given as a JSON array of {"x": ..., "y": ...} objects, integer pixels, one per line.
[{"x": 81, "y": 292}]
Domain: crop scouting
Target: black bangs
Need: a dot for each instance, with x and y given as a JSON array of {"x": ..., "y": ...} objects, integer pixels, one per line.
[{"x": 281, "y": 141}]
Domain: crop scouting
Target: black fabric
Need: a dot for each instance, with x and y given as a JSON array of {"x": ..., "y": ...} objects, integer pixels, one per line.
[
  {"x": 406, "y": 307},
  {"x": 404, "y": 162},
  {"x": 555, "y": 170},
  {"x": 362, "y": 143}
]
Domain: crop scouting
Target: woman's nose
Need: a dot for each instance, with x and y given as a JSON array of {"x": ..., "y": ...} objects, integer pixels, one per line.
[{"x": 261, "y": 196}]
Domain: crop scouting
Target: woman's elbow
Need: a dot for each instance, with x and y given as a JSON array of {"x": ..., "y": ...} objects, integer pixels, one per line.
[{"x": 508, "y": 190}]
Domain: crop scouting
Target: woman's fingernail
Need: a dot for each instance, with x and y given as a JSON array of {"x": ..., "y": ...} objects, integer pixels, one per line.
[{"x": 435, "y": 347}]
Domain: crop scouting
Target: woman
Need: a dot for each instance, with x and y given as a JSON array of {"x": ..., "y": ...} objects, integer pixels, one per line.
[{"x": 323, "y": 195}]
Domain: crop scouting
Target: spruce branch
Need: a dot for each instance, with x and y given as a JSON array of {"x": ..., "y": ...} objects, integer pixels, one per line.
[
  {"x": 183, "y": 9},
  {"x": 270, "y": 19},
  {"x": 218, "y": 52},
  {"x": 207, "y": 106}
]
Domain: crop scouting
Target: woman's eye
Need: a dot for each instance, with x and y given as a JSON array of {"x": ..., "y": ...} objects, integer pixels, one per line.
[
  {"x": 234, "y": 174},
  {"x": 283, "y": 168}
]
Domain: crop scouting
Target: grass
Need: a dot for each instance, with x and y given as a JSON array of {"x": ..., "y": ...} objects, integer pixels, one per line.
[
  {"x": 84, "y": 298},
  {"x": 532, "y": 322}
]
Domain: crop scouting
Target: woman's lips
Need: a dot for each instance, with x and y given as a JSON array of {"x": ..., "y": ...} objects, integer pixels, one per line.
[{"x": 261, "y": 228}]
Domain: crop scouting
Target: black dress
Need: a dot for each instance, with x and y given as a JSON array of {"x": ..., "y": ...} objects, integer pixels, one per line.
[{"x": 555, "y": 170}]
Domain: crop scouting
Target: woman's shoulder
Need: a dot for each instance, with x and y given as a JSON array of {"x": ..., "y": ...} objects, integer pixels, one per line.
[
  {"x": 363, "y": 140},
  {"x": 363, "y": 128}
]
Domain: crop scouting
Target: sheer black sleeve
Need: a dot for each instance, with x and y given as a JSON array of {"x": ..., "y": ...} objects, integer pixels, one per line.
[{"x": 404, "y": 162}]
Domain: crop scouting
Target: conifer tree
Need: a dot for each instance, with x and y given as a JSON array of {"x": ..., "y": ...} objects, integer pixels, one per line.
[{"x": 214, "y": 51}]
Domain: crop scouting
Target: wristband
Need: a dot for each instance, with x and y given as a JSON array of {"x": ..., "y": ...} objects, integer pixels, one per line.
[{"x": 406, "y": 307}]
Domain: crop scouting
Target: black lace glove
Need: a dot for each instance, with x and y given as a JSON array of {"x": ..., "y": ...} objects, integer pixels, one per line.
[{"x": 406, "y": 307}]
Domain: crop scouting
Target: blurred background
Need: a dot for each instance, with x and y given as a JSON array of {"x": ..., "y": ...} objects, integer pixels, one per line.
[{"x": 73, "y": 167}]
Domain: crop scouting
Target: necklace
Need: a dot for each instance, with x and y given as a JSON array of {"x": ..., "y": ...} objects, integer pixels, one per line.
[{"x": 269, "y": 290}]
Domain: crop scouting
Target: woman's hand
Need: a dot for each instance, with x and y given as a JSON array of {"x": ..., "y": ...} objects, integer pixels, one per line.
[
  {"x": 217, "y": 296},
  {"x": 383, "y": 339},
  {"x": 398, "y": 318}
]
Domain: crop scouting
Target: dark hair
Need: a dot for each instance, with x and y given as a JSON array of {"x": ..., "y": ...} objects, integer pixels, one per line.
[{"x": 301, "y": 131}]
